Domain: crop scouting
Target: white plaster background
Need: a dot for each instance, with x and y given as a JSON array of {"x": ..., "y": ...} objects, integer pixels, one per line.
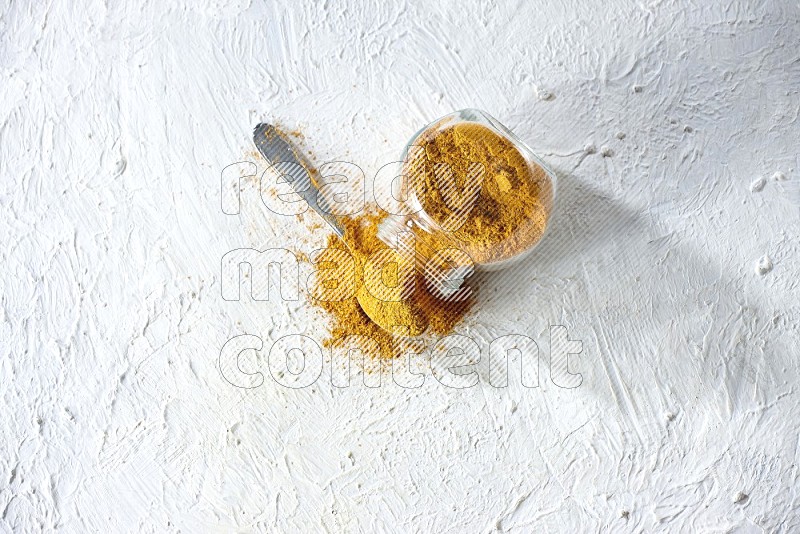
[{"x": 116, "y": 119}]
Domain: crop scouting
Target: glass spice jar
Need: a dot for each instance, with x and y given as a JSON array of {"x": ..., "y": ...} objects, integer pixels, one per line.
[{"x": 476, "y": 196}]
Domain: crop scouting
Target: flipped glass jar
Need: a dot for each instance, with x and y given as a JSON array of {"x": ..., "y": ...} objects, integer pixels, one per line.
[{"x": 475, "y": 189}]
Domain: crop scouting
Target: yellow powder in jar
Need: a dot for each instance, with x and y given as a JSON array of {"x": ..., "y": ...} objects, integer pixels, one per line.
[{"x": 511, "y": 209}]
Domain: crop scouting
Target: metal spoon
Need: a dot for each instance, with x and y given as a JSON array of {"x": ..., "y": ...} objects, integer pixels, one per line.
[
  {"x": 279, "y": 152},
  {"x": 276, "y": 149}
]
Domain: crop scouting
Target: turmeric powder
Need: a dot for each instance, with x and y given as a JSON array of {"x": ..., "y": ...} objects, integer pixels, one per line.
[
  {"x": 365, "y": 315},
  {"x": 511, "y": 209},
  {"x": 508, "y": 215}
]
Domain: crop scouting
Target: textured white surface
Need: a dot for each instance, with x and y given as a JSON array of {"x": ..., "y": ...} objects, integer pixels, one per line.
[{"x": 115, "y": 122}]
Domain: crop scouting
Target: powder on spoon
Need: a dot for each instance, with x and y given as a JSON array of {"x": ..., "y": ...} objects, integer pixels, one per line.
[{"x": 419, "y": 313}]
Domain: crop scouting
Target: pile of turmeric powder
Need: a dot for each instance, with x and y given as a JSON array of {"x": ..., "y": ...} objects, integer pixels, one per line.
[
  {"x": 359, "y": 312},
  {"x": 508, "y": 215}
]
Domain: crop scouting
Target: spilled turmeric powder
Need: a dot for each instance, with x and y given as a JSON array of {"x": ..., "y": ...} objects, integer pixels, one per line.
[
  {"x": 362, "y": 313},
  {"x": 507, "y": 216}
]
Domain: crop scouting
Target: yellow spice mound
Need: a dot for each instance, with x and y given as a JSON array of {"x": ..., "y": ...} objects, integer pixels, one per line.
[{"x": 420, "y": 312}]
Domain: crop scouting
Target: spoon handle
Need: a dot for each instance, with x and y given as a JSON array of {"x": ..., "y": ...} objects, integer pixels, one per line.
[{"x": 286, "y": 160}]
